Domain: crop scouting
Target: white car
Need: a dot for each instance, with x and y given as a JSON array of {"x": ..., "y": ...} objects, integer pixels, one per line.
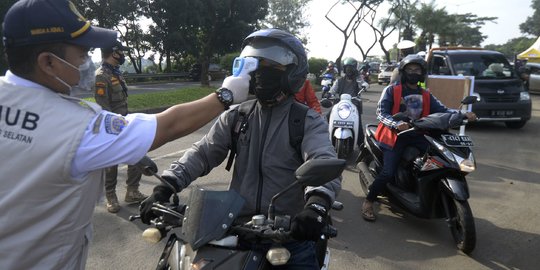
[{"x": 385, "y": 75}]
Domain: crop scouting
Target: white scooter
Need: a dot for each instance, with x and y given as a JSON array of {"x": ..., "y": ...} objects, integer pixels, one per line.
[{"x": 344, "y": 123}]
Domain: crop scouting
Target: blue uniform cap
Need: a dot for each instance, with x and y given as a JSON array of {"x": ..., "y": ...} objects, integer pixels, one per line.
[{"x": 30, "y": 22}]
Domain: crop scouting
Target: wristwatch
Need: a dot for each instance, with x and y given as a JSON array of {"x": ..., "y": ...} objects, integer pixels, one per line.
[
  {"x": 225, "y": 96},
  {"x": 318, "y": 208}
]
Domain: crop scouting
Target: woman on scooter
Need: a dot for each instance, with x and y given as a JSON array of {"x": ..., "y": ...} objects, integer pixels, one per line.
[{"x": 405, "y": 96}]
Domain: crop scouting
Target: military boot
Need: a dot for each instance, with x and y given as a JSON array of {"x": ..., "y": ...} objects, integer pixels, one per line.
[
  {"x": 133, "y": 195},
  {"x": 112, "y": 202}
]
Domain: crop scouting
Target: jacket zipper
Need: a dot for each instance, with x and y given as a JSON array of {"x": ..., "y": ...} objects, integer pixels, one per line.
[{"x": 261, "y": 150}]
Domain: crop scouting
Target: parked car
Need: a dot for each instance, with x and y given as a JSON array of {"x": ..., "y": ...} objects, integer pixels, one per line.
[
  {"x": 215, "y": 72},
  {"x": 385, "y": 75},
  {"x": 534, "y": 77},
  {"x": 502, "y": 95}
]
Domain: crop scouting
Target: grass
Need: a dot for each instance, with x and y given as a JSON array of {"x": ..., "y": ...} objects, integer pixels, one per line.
[{"x": 137, "y": 102}]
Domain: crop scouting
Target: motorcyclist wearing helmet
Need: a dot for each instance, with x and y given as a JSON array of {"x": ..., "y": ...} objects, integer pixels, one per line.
[
  {"x": 265, "y": 161},
  {"x": 415, "y": 102},
  {"x": 331, "y": 69},
  {"x": 348, "y": 83}
]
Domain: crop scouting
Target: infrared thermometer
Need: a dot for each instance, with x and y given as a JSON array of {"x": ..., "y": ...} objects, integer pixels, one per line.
[{"x": 244, "y": 65}]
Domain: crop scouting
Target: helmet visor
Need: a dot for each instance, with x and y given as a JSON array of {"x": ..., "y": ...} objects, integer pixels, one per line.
[{"x": 270, "y": 50}]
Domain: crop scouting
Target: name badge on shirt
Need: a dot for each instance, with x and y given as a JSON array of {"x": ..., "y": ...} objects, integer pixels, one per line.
[{"x": 114, "y": 124}]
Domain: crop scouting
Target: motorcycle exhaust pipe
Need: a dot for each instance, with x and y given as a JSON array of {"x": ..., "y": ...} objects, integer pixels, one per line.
[{"x": 366, "y": 174}]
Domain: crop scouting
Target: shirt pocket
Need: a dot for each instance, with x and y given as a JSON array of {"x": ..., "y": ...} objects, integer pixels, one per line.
[{"x": 117, "y": 92}]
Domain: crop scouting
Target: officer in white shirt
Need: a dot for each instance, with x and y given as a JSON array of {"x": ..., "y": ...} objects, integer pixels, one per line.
[{"x": 54, "y": 147}]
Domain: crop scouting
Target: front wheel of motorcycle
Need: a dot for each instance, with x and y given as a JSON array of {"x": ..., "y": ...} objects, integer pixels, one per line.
[
  {"x": 462, "y": 226},
  {"x": 344, "y": 148}
]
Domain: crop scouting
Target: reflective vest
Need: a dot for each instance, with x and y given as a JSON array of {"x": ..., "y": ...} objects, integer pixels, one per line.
[
  {"x": 388, "y": 136},
  {"x": 45, "y": 212}
]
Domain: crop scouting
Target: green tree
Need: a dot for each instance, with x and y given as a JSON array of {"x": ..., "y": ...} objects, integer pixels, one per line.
[
  {"x": 512, "y": 47},
  {"x": 450, "y": 29},
  {"x": 223, "y": 26},
  {"x": 431, "y": 21},
  {"x": 123, "y": 16},
  {"x": 287, "y": 15},
  {"x": 317, "y": 65},
  {"x": 226, "y": 61},
  {"x": 4, "y": 6},
  {"x": 532, "y": 23},
  {"x": 173, "y": 33}
]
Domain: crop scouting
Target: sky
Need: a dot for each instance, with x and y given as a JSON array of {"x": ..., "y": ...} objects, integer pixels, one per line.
[{"x": 325, "y": 41}]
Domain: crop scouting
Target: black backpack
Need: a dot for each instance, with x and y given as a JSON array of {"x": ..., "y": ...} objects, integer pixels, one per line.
[{"x": 297, "y": 119}]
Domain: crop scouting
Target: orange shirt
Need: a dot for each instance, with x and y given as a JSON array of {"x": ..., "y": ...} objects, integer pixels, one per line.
[{"x": 306, "y": 95}]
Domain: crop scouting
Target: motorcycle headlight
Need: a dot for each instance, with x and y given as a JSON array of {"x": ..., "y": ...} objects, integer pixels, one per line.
[
  {"x": 466, "y": 164},
  {"x": 151, "y": 235},
  {"x": 524, "y": 96},
  {"x": 278, "y": 256},
  {"x": 200, "y": 264},
  {"x": 344, "y": 110}
]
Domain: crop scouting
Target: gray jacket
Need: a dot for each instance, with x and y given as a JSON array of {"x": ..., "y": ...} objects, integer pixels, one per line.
[
  {"x": 345, "y": 86},
  {"x": 265, "y": 161}
]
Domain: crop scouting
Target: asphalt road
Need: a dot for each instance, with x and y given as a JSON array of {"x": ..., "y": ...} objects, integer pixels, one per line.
[{"x": 505, "y": 196}]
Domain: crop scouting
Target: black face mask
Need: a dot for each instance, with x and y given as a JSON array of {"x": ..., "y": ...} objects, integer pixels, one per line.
[
  {"x": 121, "y": 60},
  {"x": 413, "y": 78},
  {"x": 349, "y": 72},
  {"x": 267, "y": 84}
]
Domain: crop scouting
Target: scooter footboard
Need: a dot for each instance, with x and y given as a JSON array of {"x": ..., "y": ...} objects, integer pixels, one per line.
[{"x": 456, "y": 187}]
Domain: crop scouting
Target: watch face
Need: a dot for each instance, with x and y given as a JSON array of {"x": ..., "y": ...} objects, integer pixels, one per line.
[{"x": 226, "y": 95}]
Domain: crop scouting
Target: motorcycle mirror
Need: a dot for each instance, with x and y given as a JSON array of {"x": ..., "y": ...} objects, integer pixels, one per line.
[
  {"x": 469, "y": 100},
  {"x": 147, "y": 166},
  {"x": 316, "y": 172},
  {"x": 326, "y": 103}
]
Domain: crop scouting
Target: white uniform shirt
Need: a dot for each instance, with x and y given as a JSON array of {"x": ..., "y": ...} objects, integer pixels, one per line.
[{"x": 113, "y": 143}]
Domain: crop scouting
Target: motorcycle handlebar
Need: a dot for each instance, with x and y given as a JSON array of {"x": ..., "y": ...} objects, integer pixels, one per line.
[{"x": 280, "y": 235}]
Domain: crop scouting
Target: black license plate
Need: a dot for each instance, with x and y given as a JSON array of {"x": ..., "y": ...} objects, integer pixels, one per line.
[
  {"x": 457, "y": 140},
  {"x": 345, "y": 124},
  {"x": 502, "y": 113}
]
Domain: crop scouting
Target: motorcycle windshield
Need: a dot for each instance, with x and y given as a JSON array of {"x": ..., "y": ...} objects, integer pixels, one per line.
[{"x": 209, "y": 215}]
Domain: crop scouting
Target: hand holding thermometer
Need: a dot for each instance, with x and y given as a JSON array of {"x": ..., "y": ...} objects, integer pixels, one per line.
[{"x": 244, "y": 65}]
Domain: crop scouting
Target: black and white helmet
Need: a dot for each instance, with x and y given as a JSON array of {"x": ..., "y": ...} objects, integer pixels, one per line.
[
  {"x": 283, "y": 48},
  {"x": 410, "y": 59}
]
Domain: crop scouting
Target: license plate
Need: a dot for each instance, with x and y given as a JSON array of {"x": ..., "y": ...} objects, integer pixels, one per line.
[
  {"x": 502, "y": 113},
  {"x": 457, "y": 140},
  {"x": 345, "y": 124}
]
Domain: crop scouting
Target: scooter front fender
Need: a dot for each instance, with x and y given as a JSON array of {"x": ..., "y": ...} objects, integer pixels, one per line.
[
  {"x": 456, "y": 188},
  {"x": 343, "y": 133}
]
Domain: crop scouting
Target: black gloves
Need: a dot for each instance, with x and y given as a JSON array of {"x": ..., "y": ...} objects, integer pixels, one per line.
[
  {"x": 161, "y": 194},
  {"x": 309, "y": 223}
]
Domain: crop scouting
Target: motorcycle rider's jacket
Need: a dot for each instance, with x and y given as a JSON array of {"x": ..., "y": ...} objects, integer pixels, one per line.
[
  {"x": 265, "y": 161},
  {"x": 344, "y": 86},
  {"x": 415, "y": 103},
  {"x": 65, "y": 204}
]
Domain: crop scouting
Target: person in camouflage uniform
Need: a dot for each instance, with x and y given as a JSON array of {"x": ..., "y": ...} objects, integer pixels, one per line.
[{"x": 111, "y": 94}]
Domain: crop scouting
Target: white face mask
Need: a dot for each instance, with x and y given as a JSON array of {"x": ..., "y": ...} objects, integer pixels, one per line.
[{"x": 86, "y": 74}]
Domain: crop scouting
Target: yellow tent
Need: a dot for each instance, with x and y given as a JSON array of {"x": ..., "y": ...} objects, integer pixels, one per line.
[{"x": 532, "y": 54}]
